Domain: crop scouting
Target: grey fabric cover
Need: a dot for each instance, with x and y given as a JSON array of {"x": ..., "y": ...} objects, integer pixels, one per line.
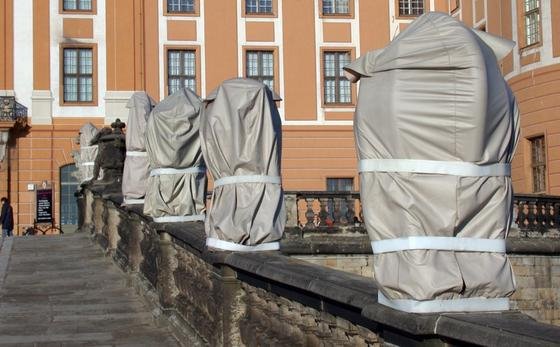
[
  {"x": 172, "y": 141},
  {"x": 241, "y": 133},
  {"x": 136, "y": 168},
  {"x": 436, "y": 93},
  {"x": 87, "y": 152}
]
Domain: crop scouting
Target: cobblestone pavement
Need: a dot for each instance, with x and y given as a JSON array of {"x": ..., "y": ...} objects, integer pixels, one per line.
[{"x": 62, "y": 291}]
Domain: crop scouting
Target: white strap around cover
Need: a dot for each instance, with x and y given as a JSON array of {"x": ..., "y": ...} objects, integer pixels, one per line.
[
  {"x": 136, "y": 154},
  {"x": 451, "y": 305},
  {"x": 248, "y": 179},
  {"x": 133, "y": 201},
  {"x": 176, "y": 219},
  {"x": 171, "y": 171},
  {"x": 89, "y": 147},
  {"x": 455, "y": 168},
  {"x": 87, "y": 163},
  {"x": 231, "y": 246},
  {"x": 461, "y": 244}
]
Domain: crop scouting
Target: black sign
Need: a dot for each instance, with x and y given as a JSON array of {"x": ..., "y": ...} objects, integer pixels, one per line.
[{"x": 43, "y": 206}]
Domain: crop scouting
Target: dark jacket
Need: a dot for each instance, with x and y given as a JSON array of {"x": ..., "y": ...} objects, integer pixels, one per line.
[{"x": 7, "y": 217}]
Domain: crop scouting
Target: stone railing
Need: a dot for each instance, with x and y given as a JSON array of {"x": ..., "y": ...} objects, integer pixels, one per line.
[
  {"x": 539, "y": 213},
  {"x": 341, "y": 211},
  {"x": 269, "y": 298}
]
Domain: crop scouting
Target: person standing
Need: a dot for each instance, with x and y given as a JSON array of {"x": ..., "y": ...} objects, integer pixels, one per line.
[{"x": 7, "y": 218}]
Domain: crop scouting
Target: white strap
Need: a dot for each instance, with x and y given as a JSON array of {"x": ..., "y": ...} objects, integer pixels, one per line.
[
  {"x": 461, "y": 244},
  {"x": 455, "y": 168},
  {"x": 176, "y": 219},
  {"x": 133, "y": 201},
  {"x": 89, "y": 147},
  {"x": 171, "y": 171},
  {"x": 247, "y": 179},
  {"x": 136, "y": 154},
  {"x": 451, "y": 305},
  {"x": 231, "y": 246},
  {"x": 87, "y": 163}
]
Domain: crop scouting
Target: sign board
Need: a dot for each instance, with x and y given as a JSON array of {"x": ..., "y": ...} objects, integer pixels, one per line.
[{"x": 43, "y": 205}]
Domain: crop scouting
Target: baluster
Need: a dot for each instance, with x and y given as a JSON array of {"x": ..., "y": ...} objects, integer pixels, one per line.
[
  {"x": 523, "y": 215},
  {"x": 336, "y": 211},
  {"x": 556, "y": 216},
  {"x": 531, "y": 215},
  {"x": 549, "y": 215},
  {"x": 309, "y": 214},
  {"x": 541, "y": 216},
  {"x": 343, "y": 220},
  {"x": 323, "y": 213},
  {"x": 350, "y": 205}
]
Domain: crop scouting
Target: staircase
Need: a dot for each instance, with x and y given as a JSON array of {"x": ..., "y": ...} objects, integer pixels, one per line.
[{"x": 62, "y": 291}]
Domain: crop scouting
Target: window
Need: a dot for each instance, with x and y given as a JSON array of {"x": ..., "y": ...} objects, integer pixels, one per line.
[
  {"x": 181, "y": 70},
  {"x": 333, "y": 7},
  {"x": 532, "y": 21},
  {"x": 340, "y": 184},
  {"x": 258, "y": 6},
  {"x": 260, "y": 66},
  {"x": 78, "y": 75},
  {"x": 77, "y": 5},
  {"x": 337, "y": 89},
  {"x": 538, "y": 163},
  {"x": 68, "y": 204},
  {"x": 411, "y": 7},
  {"x": 180, "y": 6}
]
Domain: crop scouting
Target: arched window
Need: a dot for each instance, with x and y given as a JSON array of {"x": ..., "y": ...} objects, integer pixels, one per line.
[{"x": 68, "y": 205}]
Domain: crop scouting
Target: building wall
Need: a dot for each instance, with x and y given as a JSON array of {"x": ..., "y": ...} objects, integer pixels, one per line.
[{"x": 130, "y": 39}]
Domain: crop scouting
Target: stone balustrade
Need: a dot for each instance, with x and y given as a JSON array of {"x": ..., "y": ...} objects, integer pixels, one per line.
[{"x": 272, "y": 298}]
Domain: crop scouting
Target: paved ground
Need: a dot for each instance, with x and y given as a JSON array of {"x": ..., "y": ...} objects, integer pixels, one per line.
[{"x": 62, "y": 291}]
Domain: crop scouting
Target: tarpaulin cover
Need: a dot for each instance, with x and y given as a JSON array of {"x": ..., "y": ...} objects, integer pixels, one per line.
[
  {"x": 176, "y": 188},
  {"x": 241, "y": 133},
  {"x": 435, "y": 106},
  {"x": 87, "y": 152},
  {"x": 136, "y": 164}
]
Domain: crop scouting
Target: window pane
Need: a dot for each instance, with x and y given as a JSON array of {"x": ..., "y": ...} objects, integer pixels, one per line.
[
  {"x": 70, "y": 61},
  {"x": 531, "y": 5},
  {"x": 330, "y": 91},
  {"x": 174, "y": 63},
  {"x": 267, "y": 64},
  {"x": 265, "y": 6},
  {"x": 174, "y": 85},
  {"x": 342, "y": 6},
  {"x": 411, "y": 7},
  {"x": 70, "y": 89},
  {"x": 328, "y": 7},
  {"x": 180, "y": 5},
  {"x": 191, "y": 84},
  {"x": 85, "y": 88},
  {"x": 84, "y": 4},
  {"x": 70, "y": 5},
  {"x": 340, "y": 184},
  {"x": 189, "y": 63},
  {"x": 86, "y": 63},
  {"x": 269, "y": 82},
  {"x": 252, "y": 64},
  {"x": 343, "y": 60},
  {"x": 251, "y": 6},
  {"x": 330, "y": 64}
]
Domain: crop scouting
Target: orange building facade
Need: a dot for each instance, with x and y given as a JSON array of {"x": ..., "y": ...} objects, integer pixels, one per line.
[{"x": 76, "y": 61}]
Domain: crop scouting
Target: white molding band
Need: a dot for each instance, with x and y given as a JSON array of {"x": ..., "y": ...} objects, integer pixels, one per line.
[
  {"x": 136, "y": 154},
  {"x": 455, "y": 168},
  {"x": 461, "y": 244},
  {"x": 89, "y": 147},
  {"x": 452, "y": 305},
  {"x": 247, "y": 179},
  {"x": 176, "y": 219},
  {"x": 133, "y": 201},
  {"x": 172, "y": 171},
  {"x": 231, "y": 246}
]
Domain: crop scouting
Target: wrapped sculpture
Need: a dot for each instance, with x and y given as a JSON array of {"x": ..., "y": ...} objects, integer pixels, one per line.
[
  {"x": 241, "y": 131},
  {"x": 436, "y": 128},
  {"x": 176, "y": 190},
  {"x": 87, "y": 152},
  {"x": 136, "y": 165}
]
